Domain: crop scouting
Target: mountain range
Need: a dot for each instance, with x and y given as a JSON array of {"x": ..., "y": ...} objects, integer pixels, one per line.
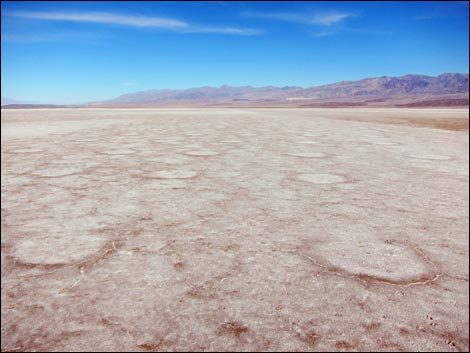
[
  {"x": 449, "y": 89},
  {"x": 445, "y": 89}
]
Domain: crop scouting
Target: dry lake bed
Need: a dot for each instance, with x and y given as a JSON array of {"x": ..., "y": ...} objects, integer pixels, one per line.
[{"x": 235, "y": 229}]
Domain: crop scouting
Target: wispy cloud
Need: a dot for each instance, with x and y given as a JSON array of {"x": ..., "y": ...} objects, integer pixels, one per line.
[
  {"x": 369, "y": 31},
  {"x": 324, "y": 34},
  {"x": 225, "y": 30},
  {"x": 461, "y": 3},
  {"x": 49, "y": 37},
  {"x": 130, "y": 84},
  {"x": 444, "y": 9},
  {"x": 133, "y": 21},
  {"x": 316, "y": 18},
  {"x": 105, "y": 18},
  {"x": 426, "y": 17}
]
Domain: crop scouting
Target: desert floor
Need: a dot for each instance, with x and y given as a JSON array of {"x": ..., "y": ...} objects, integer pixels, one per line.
[{"x": 225, "y": 229}]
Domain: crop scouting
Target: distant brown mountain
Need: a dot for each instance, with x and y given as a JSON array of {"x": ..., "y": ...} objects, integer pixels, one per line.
[
  {"x": 394, "y": 86},
  {"x": 446, "y": 90},
  {"x": 452, "y": 88}
]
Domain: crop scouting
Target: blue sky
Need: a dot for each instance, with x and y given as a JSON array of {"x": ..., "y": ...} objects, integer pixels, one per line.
[{"x": 71, "y": 52}]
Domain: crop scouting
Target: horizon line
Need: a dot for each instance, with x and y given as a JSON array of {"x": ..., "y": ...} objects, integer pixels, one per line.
[{"x": 20, "y": 101}]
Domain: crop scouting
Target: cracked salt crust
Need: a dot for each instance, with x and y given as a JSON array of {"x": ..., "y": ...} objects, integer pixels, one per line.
[{"x": 238, "y": 254}]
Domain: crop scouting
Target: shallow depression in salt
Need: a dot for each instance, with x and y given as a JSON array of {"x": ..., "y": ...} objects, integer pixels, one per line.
[
  {"x": 57, "y": 172},
  {"x": 382, "y": 261},
  {"x": 432, "y": 157},
  {"x": 201, "y": 153},
  {"x": 307, "y": 154},
  {"x": 172, "y": 174},
  {"x": 119, "y": 151},
  {"x": 27, "y": 150},
  {"x": 322, "y": 178},
  {"x": 50, "y": 250}
]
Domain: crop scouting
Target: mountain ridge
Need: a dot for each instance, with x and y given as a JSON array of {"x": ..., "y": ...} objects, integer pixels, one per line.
[
  {"x": 404, "y": 89},
  {"x": 412, "y": 90}
]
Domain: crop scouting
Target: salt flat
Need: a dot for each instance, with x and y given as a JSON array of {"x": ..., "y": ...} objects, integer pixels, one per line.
[{"x": 234, "y": 229}]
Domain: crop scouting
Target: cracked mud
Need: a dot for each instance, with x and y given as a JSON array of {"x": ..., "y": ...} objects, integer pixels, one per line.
[{"x": 219, "y": 230}]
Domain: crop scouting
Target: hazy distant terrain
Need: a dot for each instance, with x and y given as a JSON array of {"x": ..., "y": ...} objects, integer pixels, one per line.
[
  {"x": 419, "y": 90},
  {"x": 235, "y": 229},
  {"x": 7, "y": 101},
  {"x": 446, "y": 90}
]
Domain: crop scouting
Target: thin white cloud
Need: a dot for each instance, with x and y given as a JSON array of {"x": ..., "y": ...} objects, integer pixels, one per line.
[
  {"x": 425, "y": 17},
  {"x": 324, "y": 34},
  {"x": 133, "y": 21},
  {"x": 225, "y": 30},
  {"x": 318, "y": 18},
  {"x": 369, "y": 31},
  {"x": 329, "y": 18},
  {"x": 105, "y": 18},
  {"x": 129, "y": 84},
  {"x": 444, "y": 9},
  {"x": 49, "y": 37}
]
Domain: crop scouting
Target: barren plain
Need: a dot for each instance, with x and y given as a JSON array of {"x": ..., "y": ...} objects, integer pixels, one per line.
[{"x": 235, "y": 229}]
